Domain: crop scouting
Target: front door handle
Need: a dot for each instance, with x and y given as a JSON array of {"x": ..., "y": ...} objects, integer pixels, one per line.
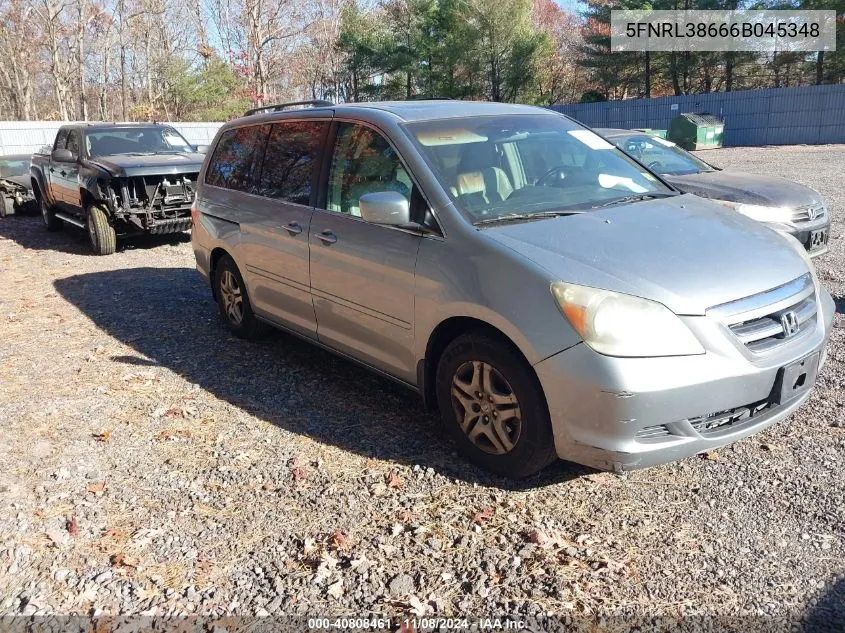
[
  {"x": 63, "y": 173},
  {"x": 52, "y": 171},
  {"x": 293, "y": 228},
  {"x": 328, "y": 237}
]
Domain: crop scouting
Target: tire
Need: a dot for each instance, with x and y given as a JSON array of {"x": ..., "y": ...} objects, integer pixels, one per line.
[
  {"x": 511, "y": 445},
  {"x": 101, "y": 234},
  {"x": 50, "y": 220},
  {"x": 7, "y": 206},
  {"x": 233, "y": 301}
]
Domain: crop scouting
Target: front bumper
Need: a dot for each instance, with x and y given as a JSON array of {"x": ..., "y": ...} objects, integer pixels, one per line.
[
  {"x": 813, "y": 235},
  {"x": 626, "y": 413}
]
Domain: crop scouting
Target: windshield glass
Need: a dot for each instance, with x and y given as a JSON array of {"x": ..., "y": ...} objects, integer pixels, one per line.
[
  {"x": 660, "y": 155},
  {"x": 154, "y": 139},
  {"x": 527, "y": 164},
  {"x": 11, "y": 168}
]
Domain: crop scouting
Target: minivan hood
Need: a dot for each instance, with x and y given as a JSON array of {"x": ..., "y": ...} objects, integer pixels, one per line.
[
  {"x": 737, "y": 186},
  {"x": 153, "y": 165},
  {"x": 687, "y": 253}
]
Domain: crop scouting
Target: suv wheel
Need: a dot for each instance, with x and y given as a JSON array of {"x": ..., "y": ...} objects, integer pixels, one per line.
[
  {"x": 493, "y": 407},
  {"x": 101, "y": 234},
  {"x": 7, "y": 206},
  {"x": 50, "y": 220},
  {"x": 233, "y": 301}
]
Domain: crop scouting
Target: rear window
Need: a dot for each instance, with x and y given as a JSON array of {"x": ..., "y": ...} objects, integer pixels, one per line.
[
  {"x": 289, "y": 160},
  {"x": 237, "y": 158}
]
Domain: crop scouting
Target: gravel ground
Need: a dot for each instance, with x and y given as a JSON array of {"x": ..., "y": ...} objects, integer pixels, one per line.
[{"x": 152, "y": 464}]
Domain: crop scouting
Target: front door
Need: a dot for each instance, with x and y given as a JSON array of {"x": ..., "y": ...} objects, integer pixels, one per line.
[
  {"x": 362, "y": 274},
  {"x": 72, "y": 196}
]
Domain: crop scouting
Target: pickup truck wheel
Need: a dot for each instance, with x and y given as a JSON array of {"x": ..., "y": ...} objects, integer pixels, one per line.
[
  {"x": 50, "y": 220},
  {"x": 493, "y": 406},
  {"x": 101, "y": 234},
  {"x": 233, "y": 301},
  {"x": 7, "y": 206}
]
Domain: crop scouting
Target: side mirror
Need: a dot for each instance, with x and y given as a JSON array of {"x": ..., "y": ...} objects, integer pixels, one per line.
[
  {"x": 385, "y": 207},
  {"x": 202, "y": 149},
  {"x": 63, "y": 156}
]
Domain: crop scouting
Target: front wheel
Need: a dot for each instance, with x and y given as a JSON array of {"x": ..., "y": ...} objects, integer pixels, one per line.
[
  {"x": 233, "y": 301},
  {"x": 101, "y": 234},
  {"x": 492, "y": 405},
  {"x": 50, "y": 220},
  {"x": 7, "y": 206}
]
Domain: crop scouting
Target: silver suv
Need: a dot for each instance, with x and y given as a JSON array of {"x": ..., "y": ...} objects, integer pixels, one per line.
[{"x": 548, "y": 294}]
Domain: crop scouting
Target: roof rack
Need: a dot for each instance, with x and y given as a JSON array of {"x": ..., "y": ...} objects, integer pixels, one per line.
[{"x": 277, "y": 107}]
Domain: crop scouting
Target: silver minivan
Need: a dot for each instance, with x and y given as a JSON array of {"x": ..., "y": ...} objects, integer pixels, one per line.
[{"x": 548, "y": 294}]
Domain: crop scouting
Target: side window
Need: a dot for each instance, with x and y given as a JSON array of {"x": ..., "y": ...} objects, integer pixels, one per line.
[
  {"x": 73, "y": 142},
  {"x": 237, "y": 157},
  {"x": 363, "y": 162},
  {"x": 61, "y": 139},
  {"x": 289, "y": 160}
]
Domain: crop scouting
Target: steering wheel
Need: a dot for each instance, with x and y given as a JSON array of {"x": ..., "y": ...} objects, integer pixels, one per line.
[
  {"x": 655, "y": 165},
  {"x": 558, "y": 170}
]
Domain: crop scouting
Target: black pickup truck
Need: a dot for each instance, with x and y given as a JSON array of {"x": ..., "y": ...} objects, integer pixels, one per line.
[{"x": 116, "y": 180}]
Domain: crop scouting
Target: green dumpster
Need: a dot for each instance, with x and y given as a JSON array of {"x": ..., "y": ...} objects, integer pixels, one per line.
[
  {"x": 652, "y": 132},
  {"x": 696, "y": 131}
]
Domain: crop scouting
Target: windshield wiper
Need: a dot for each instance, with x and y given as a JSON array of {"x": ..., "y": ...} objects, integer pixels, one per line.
[
  {"x": 637, "y": 198},
  {"x": 520, "y": 217}
]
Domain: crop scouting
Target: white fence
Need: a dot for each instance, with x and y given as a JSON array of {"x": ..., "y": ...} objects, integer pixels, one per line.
[{"x": 26, "y": 137}]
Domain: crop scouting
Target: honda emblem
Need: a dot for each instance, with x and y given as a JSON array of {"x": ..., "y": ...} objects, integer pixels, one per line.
[{"x": 789, "y": 323}]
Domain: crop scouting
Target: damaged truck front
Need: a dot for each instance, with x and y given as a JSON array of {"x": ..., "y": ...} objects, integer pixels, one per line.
[{"x": 117, "y": 180}]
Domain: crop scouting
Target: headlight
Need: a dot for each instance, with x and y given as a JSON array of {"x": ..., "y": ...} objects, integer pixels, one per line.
[
  {"x": 616, "y": 324},
  {"x": 759, "y": 212},
  {"x": 798, "y": 247}
]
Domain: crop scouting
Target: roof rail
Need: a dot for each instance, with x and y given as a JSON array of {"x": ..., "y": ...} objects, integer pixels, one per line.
[{"x": 277, "y": 107}]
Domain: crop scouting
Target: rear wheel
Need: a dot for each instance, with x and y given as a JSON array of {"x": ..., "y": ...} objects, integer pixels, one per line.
[
  {"x": 233, "y": 301},
  {"x": 50, "y": 220},
  {"x": 492, "y": 405},
  {"x": 101, "y": 234},
  {"x": 7, "y": 206}
]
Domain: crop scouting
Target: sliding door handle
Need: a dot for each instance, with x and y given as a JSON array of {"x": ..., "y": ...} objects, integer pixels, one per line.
[
  {"x": 293, "y": 228},
  {"x": 328, "y": 237}
]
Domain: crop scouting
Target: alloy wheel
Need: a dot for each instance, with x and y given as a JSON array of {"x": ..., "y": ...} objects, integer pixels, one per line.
[
  {"x": 486, "y": 407},
  {"x": 230, "y": 294}
]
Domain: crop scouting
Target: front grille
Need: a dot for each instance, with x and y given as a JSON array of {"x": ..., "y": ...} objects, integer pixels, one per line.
[
  {"x": 766, "y": 332},
  {"x": 770, "y": 319},
  {"x": 724, "y": 420},
  {"x": 808, "y": 213}
]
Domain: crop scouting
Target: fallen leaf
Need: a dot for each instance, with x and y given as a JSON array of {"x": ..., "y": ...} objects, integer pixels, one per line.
[
  {"x": 170, "y": 434},
  {"x": 417, "y": 606},
  {"x": 174, "y": 412},
  {"x": 407, "y": 516},
  {"x": 298, "y": 473},
  {"x": 393, "y": 480},
  {"x": 538, "y": 537},
  {"x": 102, "y": 436},
  {"x": 72, "y": 526},
  {"x": 713, "y": 456},
  {"x": 97, "y": 486},
  {"x": 483, "y": 515},
  {"x": 309, "y": 546},
  {"x": 122, "y": 560},
  {"x": 336, "y": 589},
  {"x": 338, "y": 541},
  {"x": 112, "y": 533}
]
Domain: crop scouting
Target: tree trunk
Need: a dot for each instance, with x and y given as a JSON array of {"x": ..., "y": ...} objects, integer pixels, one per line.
[
  {"x": 819, "y": 68},
  {"x": 648, "y": 74}
]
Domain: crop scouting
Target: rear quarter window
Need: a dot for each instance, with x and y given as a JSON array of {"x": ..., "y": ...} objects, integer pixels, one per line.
[{"x": 237, "y": 158}]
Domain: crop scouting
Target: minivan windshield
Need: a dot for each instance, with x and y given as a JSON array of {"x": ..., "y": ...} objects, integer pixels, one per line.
[
  {"x": 153, "y": 139},
  {"x": 525, "y": 164},
  {"x": 660, "y": 155}
]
